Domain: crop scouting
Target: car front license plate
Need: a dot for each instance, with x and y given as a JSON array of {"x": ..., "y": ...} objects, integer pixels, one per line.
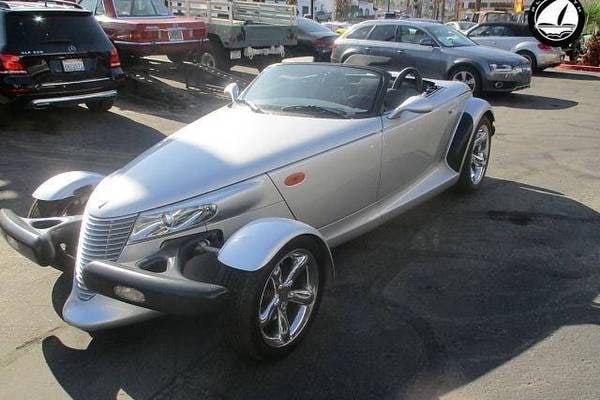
[
  {"x": 175, "y": 35},
  {"x": 73, "y": 65},
  {"x": 235, "y": 54}
]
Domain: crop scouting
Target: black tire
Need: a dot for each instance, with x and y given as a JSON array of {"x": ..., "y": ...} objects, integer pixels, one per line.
[
  {"x": 240, "y": 320},
  {"x": 531, "y": 58},
  {"x": 60, "y": 208},
  {"x": 466, "y": 183},
  {"x": 212, "y": 54},
  {"x": 477, "y": 89},
  {"x": 6, "y": 115},
  {"x": 100, "y": 105}
]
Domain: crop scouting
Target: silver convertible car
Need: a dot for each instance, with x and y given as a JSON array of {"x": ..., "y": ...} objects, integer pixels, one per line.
[{"x": 236, "y": 213}]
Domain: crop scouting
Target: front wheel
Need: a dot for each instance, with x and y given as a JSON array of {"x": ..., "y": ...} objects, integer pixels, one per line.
[
  {"x": 477, "y": 158},
  {"x": 468, "y": 76},
  {"x": 272, "y": 309},
  {"x": 213, "y": 55}
]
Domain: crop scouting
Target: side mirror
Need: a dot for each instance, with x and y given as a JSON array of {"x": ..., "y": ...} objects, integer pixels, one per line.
[
  {"x": 427, "y": 42},
  {"x": 233, "y": 91},
  {"x": 415, "y": 104}
]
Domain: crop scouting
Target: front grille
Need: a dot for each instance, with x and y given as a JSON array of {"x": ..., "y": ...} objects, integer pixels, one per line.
[{"x": 100, "y": 239}]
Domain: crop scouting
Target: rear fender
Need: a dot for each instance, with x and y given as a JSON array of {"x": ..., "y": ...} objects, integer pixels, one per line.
[
  {"x": 66, "y": 185},
  {"x": 255, "y": 244}
]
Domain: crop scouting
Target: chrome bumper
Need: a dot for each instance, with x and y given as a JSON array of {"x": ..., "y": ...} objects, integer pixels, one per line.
[{"x": 76, "y": 99}]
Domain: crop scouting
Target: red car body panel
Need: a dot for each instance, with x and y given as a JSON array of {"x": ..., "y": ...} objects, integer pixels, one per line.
[{"x": 145, "y": 36}]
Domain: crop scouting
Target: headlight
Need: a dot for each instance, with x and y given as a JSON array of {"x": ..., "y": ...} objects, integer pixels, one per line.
[
  {"x": 171, "y": 219},
  {"x": 501, "y": 67}
]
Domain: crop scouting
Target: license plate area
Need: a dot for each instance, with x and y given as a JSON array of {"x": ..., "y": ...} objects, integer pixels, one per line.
[
  {"x": 73, "y": 65},
  {"x": 175, "y": 35}
]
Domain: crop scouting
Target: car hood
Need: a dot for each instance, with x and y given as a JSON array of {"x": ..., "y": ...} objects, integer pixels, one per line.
[
  {"x": 488, "y": 54},
  {"x": 220, "y": 149}
]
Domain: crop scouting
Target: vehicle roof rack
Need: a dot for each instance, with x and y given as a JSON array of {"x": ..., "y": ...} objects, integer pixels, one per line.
[{"x": 6, "y": 3}]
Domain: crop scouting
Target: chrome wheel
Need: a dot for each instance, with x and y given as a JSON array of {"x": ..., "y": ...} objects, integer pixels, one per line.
[
  {"x": 208, "y": 60},
  {"x": 465, "y": 77},
  {"x": 480, "y": 154},
  {"x": 288, "y": 298}
]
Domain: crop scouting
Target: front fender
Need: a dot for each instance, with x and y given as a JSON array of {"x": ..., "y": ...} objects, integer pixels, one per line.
[
  {"x": 65, "y": 185},
  {"x": 255, "y": 244}
]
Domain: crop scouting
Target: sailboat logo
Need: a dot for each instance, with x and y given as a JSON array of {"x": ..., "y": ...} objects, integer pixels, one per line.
[{"x": 557, "y": 21}]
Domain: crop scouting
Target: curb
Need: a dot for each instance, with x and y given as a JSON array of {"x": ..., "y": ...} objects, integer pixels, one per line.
[{"x": 578, "y": 67}]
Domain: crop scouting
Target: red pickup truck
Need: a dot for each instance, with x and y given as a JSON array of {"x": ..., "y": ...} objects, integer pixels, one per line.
[{"x": 147, "y": 27}]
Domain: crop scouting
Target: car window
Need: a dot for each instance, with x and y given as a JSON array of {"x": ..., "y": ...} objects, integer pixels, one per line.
[
  {"x": 449, "y": 37},
  {"x": 410, "y": 34},
  {"x": 100, "y": 10},
  {"x": 308, "y": 26},
  {"x": 349, "y": 92},
  {"x": 140, "y": 8},
  {"x": 89, "y": 5},
  {"x": 481, "y": 31},
  {"x": 383, "y": 33},
  {"x": 360, "y": 32}
]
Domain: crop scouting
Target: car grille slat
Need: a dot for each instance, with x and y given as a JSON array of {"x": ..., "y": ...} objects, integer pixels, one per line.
[{"x": 100, "y": 239}]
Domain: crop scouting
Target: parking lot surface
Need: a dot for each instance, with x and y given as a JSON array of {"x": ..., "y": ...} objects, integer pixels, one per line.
[{"x": 493, "y": 295}]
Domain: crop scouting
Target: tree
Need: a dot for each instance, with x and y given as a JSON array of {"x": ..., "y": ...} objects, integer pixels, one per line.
[{"x": 342, "y": 9}]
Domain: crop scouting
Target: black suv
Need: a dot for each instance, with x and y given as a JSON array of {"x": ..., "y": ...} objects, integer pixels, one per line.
[{"x": 54, "y": 52}]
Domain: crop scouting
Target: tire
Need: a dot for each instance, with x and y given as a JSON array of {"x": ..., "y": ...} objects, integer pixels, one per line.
[
  {"x": 468, "y": 75},
  {"x": 250, "y": 294},
  {"x": 100, "y": 105},
  {"x": 213, "y": 55},
  {"x": 531, "y": 58},
  {"x": 60, "y": 208},
  {"x": 472, "y": 174},
  {"x": 6, "y": 115}
]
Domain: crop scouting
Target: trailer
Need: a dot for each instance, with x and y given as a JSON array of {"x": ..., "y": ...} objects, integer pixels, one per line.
[{"x": 241, "y": 32}]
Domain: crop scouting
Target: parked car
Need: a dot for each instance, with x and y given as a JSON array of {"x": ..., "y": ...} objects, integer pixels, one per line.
[
  {"x": 481, "y": 17},
  {"x": 436, "y": 50},
  {"x": 51, "y": 53},
  {"x": 461, "y": 26},
  {"x": 236, "y": 213},
  {"x": 337, "y": 27},
  {"x": 147, "y": 27},
  {"x": 314, "y": 40},
  {"x": 517, "y": 38}
]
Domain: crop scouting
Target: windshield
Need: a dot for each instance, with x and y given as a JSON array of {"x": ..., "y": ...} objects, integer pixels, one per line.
[
  {"x": 308, "y": 26},
  {"x": 141, "y": 8},
  {"x": 323, "y": 91},
  {"x": 450, "y": 37},
  {"x": 464, "y": 25}
]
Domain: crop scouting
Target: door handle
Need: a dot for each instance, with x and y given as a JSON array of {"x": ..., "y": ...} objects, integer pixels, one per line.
[
  {"x": 400, "y": 51},
  {"x": 367, "y": 49}
]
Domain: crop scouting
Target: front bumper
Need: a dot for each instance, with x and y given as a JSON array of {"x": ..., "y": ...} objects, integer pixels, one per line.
[
  {"x": 507, "y": 81},
  {"x": 74, "y": 99}
]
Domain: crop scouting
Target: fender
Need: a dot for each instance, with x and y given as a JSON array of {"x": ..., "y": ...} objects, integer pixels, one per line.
[
  {"x": 256, "y": 243},
  {"x": 65, "y": 185},
  {"x": 467, "y": 62},
  {"x": 475, "y": 109}
]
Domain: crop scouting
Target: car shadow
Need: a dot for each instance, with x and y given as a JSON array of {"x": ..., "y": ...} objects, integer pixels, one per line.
[
  {"x": 42, "y": 143},
  {"x": 568, "y": 75},
  {"x": 422, "y": 305},
  {"x": 528, "y": 101}
]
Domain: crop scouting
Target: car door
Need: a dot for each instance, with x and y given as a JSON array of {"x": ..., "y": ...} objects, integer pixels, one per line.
[
  {"x": 414, "y": 144},
  {"x": 506, "y": 37},
  {"x": 381, "y": 41},
  {"x": 483, "y": 35},
  {"x": 415, "y": 48}
]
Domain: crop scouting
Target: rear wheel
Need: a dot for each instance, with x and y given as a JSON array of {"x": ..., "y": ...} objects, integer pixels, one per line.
[
  {"x": 211, "y": 54},
  {"x": 469, "y": 76},
  {"x": 272, "y": 309},
  {"x": 100, "y": 105},
  {"x": 477, "y": 158},
  {"x": 531, "y": 58}
]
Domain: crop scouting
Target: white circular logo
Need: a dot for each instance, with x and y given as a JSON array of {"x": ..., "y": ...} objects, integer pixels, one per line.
[{"x": 556, "y": 22}]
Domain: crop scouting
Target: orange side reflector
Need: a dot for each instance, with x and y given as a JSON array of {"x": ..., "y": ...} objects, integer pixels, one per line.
[{"x": 294, "y": 179}]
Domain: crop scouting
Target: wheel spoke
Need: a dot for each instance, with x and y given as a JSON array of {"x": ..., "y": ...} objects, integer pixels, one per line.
[
  {"x": 267, "y": 315},
  {"x": 301, "y": 296},
  {"x": 478, "y": 160},
  {"x": 297, "y": 268},
  {"x": 283, "y": 324}
]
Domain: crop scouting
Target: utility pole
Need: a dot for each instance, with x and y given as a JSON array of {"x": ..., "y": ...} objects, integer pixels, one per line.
[
  {"x": 388, "y": 5},
  {"x": 312, "y": 9}
]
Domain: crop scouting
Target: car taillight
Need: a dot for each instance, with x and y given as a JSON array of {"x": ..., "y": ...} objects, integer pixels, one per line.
[
  {"x": 11, "y": 64},
  {"x": 323, "y": 42},
  {"x": 545, "y": 47},
  {"x": 114, "y": 58}
]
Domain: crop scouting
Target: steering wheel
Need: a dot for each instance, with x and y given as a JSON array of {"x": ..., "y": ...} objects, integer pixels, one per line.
[{"x": 402, "y": 77}]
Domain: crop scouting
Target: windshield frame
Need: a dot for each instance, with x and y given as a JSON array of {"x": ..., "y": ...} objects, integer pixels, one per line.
[
  {"x": 376, "y": 107},
  {"x": 430, "y": 31},
  {"x": 118, "y": 16}
]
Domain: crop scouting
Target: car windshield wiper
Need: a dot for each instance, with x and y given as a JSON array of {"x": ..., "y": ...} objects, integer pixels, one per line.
[
  {"x": 250, "y": 104},
  {"x": 316, "y": 109}
]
